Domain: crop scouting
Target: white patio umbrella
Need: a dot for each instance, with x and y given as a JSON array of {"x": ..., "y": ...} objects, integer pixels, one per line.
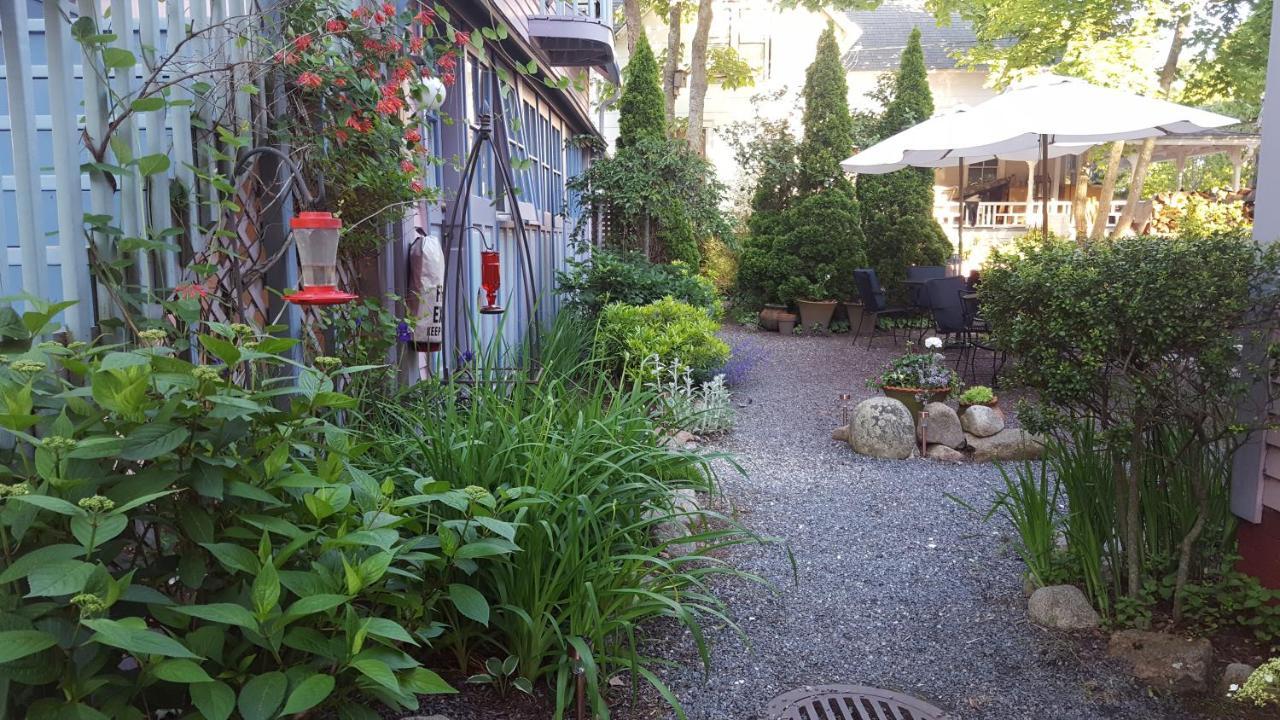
[
  {"x": 897, "y": 152},
  {"x": 1051, "y": 110}
]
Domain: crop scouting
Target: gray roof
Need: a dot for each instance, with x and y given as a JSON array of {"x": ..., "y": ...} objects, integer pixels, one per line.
[{"x": 885, "y": 31}]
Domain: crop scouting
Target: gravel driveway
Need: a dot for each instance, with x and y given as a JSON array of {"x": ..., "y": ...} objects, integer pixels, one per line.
[{"x": 899, "y": 587}]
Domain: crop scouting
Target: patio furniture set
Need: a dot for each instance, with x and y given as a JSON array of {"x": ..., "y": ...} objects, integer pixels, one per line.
[{"x": 946, "y": 305}]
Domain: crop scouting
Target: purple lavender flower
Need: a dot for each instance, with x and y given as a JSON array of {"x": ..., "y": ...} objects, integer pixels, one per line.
[
  {"x": 403, "y": 334},
  {"x": 743, "y": 358}
]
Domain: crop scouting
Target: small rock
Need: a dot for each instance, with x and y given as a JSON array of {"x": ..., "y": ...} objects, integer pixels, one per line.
[
  {"x": 1235, "y": 674},
  {"x": 1166, "y": 662},
  {"x": 942, "y": 453},
  {"x": 681, "y": 439},
  {"x": 943, "y": 426},
  {"x": 841, "y": 433},
  {"x": 1008, "y": 444},
  {"x": 683, "y": 500},
  {"x": 982, "y": 421},
  {"x": 1062, "y": 607},
  {"x": 882, "y": 427}
]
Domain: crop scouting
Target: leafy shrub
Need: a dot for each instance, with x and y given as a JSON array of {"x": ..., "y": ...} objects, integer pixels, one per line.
[
  {"x": 578, "y": 460},
  {"x": 977, "y": 395},
  {"x": 1136, "y": 344},
  {"x": 671, "y": 330},
  {"x": 625, "y": 277},
  {"x": 814, "y": 258},
  {"x": 719, "y": 265},
  {"x": 183, "y": 535},
  {"x": 1263, "y": 686}
]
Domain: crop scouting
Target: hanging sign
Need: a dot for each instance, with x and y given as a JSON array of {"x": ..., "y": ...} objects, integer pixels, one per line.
[{"x": 426, "y": 292}]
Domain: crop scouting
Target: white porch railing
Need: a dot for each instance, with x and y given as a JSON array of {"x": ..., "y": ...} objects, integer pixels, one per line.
[{"x": 1013, "y": 214}]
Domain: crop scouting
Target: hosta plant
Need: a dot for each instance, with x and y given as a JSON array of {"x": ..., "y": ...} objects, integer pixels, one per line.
[{"x": 180, "y": 535}]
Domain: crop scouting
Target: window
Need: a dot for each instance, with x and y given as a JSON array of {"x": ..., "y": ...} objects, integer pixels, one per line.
[{"x": 983, "y": 171}]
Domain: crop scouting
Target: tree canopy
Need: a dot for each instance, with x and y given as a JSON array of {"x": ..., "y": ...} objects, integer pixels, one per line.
[
  {"x": 640, "y": 110},
  {"x": 828, "y": 126}
]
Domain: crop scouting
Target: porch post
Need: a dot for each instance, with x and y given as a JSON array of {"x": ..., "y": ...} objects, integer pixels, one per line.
[
  {"x": 1031, "y": 193},
  {"x": 1180, "y": 162},
  {"x": 1237, "y": 163}
]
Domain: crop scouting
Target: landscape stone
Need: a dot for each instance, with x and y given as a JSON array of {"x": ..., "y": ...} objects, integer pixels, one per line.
[
  {"x": 942, "y": 453},
  {"x": 1235, "y": 675},
  {"x": 683, "y": 500},
  {"x": 1062, "y": 607},
  {"x": 1008, "y": 444},
  {"x": 982, "y": 421},
  {"x": 1166, "y": 662},
  {"x": 943, "y": 426},
  {"x": 882, "y": 427},
  {"x": 841, "y": 433}
]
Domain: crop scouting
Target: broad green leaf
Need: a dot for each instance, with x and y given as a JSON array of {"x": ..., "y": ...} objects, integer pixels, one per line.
[
  {"x": 469, "y": 602},
  {"x": 109, "y": 526},
  {"x": 308, "y": 694},
  {"x": 388, "y": 629},
  {"x": 314, "y": 604},
  {"x": 181, "y": 671},
  {"x": 221, "y": 349},
  {"x": 140, "y": 641},
  {"x": 215, "y": 700},
  {"x": 262, "y": 695},
  {"x": 64, "y": 577},
  {"x": 233, "y": 556},
  {"x": 153, "y": 440},
  {"x": 422, "y": 681},
  {"x": 483, "y": 548},
  {"x": 377, "y": 671},
  {"x": 225, "y": 613},
  {"x": 15, "y": 644},
  {"x": 266, "y": 590},
  {"x": 153, "y": 164},
  {"x": 45, "y": 502},
  {"x": 138, "y": 501},
  {"x": 40, "y": 556},
  {"x": 122, "y": 360},
  {"x": 114, "y": 57},
  {"x": 148, "y": 104}
]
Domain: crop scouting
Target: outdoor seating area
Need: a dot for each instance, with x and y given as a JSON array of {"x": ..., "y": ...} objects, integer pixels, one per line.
[{"x": 417, "y": 360}]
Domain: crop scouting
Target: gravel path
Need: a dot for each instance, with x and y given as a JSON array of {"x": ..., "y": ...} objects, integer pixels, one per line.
[{"x": 899, "y": 587}]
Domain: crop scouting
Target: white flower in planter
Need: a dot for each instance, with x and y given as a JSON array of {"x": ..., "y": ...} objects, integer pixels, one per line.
[{"x": 934, "y": 342}]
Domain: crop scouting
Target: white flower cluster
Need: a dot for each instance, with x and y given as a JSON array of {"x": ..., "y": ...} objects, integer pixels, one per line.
[{"x": 698, "y": 408}]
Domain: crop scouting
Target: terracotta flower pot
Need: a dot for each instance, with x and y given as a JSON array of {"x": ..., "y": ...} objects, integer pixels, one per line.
[
  {"x": 816, "y": 312},
  {"x": 786, "y": 323},
  {"x": 910, "y": 397},
  {"x": 769, "y": 316},
  {"x": 854, "y": 310}
]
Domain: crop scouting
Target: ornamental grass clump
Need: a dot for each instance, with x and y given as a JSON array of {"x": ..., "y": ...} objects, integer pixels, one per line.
[{"x": 580, "y": 464}]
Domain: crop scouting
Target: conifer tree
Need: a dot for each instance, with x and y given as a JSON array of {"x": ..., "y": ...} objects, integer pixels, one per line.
[
  {"x": 821, "y": 242},
  {"x": 897, "y": 208},
  {"x": 640, "y": 109}
]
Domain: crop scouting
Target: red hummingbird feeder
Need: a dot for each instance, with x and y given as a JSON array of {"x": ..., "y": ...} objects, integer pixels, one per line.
[
  {"x": 490, "y": 281},
  {"x": 316, "y": 235}
]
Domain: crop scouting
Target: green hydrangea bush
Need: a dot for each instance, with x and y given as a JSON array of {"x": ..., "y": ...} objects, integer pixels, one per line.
[
  {"x": 666, "y": 329},
  {"x": 181, "y": 535}
]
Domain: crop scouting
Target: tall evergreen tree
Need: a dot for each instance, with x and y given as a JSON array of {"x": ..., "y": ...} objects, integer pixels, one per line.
[
  {"x": 821, "y": 241},
  {"x": 828, "y": 126},
  {"x": 897, "y": 208},
  {"x": 640, "y": 110}
]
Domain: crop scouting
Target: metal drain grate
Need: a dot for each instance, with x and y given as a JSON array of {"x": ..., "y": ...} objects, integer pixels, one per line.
[{"x": 849, "y": 702}]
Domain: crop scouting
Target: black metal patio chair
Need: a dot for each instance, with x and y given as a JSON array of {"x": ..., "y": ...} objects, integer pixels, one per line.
[{"x": 874, "y": 305}]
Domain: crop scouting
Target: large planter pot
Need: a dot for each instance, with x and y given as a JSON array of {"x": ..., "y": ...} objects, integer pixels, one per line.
[
  {"x": 854, "y": 310},
  {"x": 908, "y": 397},
  {"x": 786, "y": 322},
  {"x": 769, "y": 316},
  {"x": 816, "y": 312},
  {"x": 14, "y": 345}
]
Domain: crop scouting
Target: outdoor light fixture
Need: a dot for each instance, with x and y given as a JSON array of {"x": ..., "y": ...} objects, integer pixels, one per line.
[
  {"x": 316, "y": 235},
  {"x": 490, "y": 281}
]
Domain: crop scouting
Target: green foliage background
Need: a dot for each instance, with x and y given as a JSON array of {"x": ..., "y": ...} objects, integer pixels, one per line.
[{"x": 897, "y": 207}]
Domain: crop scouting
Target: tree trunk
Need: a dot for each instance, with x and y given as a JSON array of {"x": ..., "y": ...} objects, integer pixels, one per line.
[
  {"x": 1133, "y": 509},
  {"x": 669, "y": 70},
  {"x": 633, "y": 15},
  {"x": 1080, "y": 196},
  {"x": 1167, "y": 74},
  {"x": 698, "y": 77},
  {"x": 1108, "y": 190}
]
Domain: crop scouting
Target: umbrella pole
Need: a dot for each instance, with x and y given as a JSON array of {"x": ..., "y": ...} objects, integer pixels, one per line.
[
  {"x": 960, "y": 221},
  {"x": 1044, "y": 186}
]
